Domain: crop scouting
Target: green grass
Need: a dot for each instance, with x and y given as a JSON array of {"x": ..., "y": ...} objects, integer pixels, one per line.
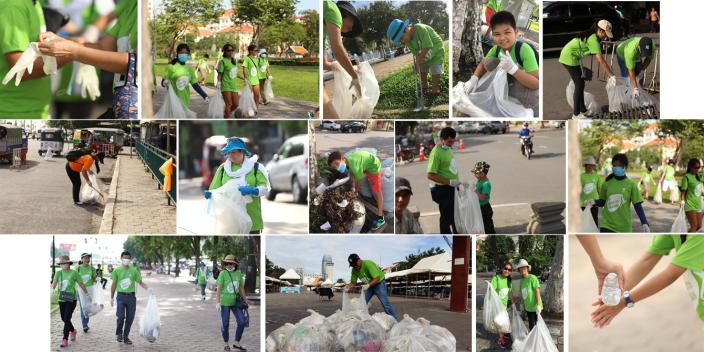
[
  {"x": 653, "y": 187},
  {"x": 293, "y": 82}
]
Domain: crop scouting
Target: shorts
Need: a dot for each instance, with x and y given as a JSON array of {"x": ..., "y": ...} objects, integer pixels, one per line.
[
  {"x": 669, "y": 186},
  {"x": 374, "y": 181},
  {"x": 435, "y": 69}
]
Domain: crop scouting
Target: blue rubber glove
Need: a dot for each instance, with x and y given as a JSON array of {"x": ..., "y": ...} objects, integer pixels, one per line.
[
  {"x": 207, "y": 194},
  {"x": 249, "y": 190}
]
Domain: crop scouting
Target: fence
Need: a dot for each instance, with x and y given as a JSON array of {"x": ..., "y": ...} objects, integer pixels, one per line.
[{"x": 153, "y": 158}]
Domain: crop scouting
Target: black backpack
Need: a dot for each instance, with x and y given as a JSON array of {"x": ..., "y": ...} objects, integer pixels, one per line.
[
  {"x": 76, "y": 154},
  {"x": 519, "y": 60}
]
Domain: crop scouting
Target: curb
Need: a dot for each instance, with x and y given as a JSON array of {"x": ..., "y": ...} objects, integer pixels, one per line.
[{"x": 109, "y": 213}]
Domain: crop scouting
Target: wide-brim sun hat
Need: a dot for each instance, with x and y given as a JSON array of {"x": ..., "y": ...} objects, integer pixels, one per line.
[
  {"x": 64, "y": 259},
  {"x": 522, "y": 264},
  {"x": 233, "y": 144},
  {"x": 230, "y": 258},
  {"x": 589, "y": 161},
  {"x": 395, "y": 30},
  {"x": 349, "y": 10}
]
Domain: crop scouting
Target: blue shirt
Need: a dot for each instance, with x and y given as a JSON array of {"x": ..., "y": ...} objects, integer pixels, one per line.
[{"x": 524, "y": 132}]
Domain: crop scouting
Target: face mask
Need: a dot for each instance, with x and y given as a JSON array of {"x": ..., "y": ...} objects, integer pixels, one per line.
[
  {"x": 183, "y": 58},
  {"x": 446, "y": 147},
  {"x": 230, "y": 268},
  {"x": 342, "y": 167},
  {"x": 126, "y": 261},
  {"x": 65, "y": 266},
  {"x": 619, "y": 171}
]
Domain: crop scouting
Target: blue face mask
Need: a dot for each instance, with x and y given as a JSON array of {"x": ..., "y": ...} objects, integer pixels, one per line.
[
  {"x": 182, "y": 58},
  {"x": 619, "y": 171},
  {"x": 446, "y": 147},
  {"x": 342, "y": 167}
]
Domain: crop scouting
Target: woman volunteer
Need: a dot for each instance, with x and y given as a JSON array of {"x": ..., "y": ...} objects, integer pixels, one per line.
[
  {"x": 80, "y": 165},
  {"x": 67, "y": 279},
  {"x": 616, "y": 196},
  {"x": 501, "y": 282},
  {"x": 179, "y": 76},
  {"x": 232, "y": 298},
  {"x": 227, "y": 79}
]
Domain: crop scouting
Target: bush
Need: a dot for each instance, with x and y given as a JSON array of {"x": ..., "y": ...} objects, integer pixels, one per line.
[{"x": 309, "y": 61}]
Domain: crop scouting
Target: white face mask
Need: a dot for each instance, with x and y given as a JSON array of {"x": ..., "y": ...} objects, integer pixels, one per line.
[
  {"x": 126, "y": 261},
  {"x": 65, "y": 266},
  {"x": 230, "y": 268}
]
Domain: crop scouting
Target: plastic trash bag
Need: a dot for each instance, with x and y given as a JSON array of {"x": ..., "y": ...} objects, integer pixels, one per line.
[
  {"x": 360, "y": 335},
  {"x": 247, "y": 107},
  {"x": 229, "y": 209},
  {"x": 268, "y": 91},
  {"x": 354, "y": 305},
  {"x": 680, "y": 223},
  {"x": 658, "y": 194},
  {"x": 675, "y": 194},
  {"x": 26, "y": 63},
  {"x": 150, "y": 323},
  {"x": 342, "y": 96},
  {"x": 495, "y": 314},
  {"x": 407, "y": 326},
  {"x": 211, "y": 283},
  {"x": 314, "y": 318},
  {"x": 97, "y": 296},
  {"x": 539, "y": 339},
  {"x": 621, "y": 98},
  {"x": 306, "y": 338},
  {"x": 89, "y": 307},
  {"x": 216, "y": 108},
  {"x": 519, "y": 331},
  {"x": 345, "y": 101},
  {"x": 333, "y": 321},
  {"x": 90, "y": 194},
  {"x": 589, "y": 100},
  {"x": 410, "y": 343},
  {"x": 386, "y": 321},
  {"x": 468, "y": 213},
  {"x": 48, "y": 154},
  {"x": 173, "y": 108},
  {"x": 490, "y": 98},
  {"x": 276, "y": 340},
  {"x": 441, "y": 337},
  {"x": 588, "y": 224}
]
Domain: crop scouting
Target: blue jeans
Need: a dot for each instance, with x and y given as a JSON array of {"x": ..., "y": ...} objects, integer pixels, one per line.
[
  {"x": 636, "y": 70},
  {"x": 225, "y": 328},
  {"x": 84, "y": 318},
  {"x": 126, "y": 307},
  {"x": 380, "y": 291}
]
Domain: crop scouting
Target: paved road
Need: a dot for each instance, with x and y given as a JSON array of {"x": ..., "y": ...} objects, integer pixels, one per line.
[
  {"x": 281, "y": 216},
  {"x": 291, "y": 308},
  {"x": 516, "y": 182},
  {"x": 187, "y": 324},
  {"x": 556, "y": 78},
  {"x": 383, "y": 141},
  {"x": 666, "y": 321},
  {"x": 37, "y": 199}
]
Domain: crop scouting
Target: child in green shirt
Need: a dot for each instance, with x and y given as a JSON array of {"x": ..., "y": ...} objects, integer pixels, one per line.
[
  {"x": 203, "y": 69},
  {"x": 646, "y": 179},
  {"x": 264, "y": 73},
  {"x": 530, "y": 292},
  {"x": 591, "y": 186},
  {"x": 501, "y": 282},
  {"x": 692, "y": 188},
  {"x": 179, "y": 76},
  {"x": 426, "y": 46},
  {"x": 483, "y": 190},
  {"x": 250, "y": 72}
]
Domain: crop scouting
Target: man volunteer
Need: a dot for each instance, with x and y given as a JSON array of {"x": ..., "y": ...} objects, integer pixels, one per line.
[
  {"x": 634, "y": 56},
  {"x": 442, "y": 171},
  {"x": 124, "y": 278},
  {"x": 88, "y": 277},
  {"x": 369, "y": 272}
]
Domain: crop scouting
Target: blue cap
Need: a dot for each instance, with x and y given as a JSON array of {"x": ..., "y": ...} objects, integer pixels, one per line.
[
  {"x": 395, "y": 30},
  {"x": 235, "y": 143}
]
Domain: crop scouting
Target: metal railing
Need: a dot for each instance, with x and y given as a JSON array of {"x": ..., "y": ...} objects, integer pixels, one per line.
[{"x": 153, "y": 158}]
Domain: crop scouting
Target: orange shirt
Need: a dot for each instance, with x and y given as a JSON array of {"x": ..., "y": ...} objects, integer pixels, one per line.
[{"x": 82, "y": 164}]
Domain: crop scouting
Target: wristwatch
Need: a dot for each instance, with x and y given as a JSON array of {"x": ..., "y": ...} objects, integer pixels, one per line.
[{"x": 627, "y": 298}]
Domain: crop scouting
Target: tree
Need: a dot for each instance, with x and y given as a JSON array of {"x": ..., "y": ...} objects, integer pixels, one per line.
[
  {"x": 495, "y": 250},
  {"x": 413, "y": 259},
  {"x": 432, "y": 13},
  {"x": 375, "y": 19},
  {"x": 283, "y": 34},
  {"x": 262, "y": 13},
  {"x": 181, "y": 16},
  {"x": 273, "y": 270},
  {"x": 466, "y": 44},
  {"x": 553, "y": 291},
  {"x": 685, "y": 131},
  {"x": 602, "y": 138},
  {"x": 311, "y": 19}
]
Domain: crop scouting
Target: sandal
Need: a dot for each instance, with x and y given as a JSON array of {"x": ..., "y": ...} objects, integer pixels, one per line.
[
  {"x": 240, "y": 348},
  {"x": 227, "y": 348}
]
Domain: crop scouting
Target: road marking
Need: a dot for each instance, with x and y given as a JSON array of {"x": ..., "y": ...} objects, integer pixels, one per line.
[{"x": 433, "y": 213}]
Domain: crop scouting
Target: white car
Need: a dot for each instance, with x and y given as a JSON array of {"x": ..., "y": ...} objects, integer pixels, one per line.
[
  {"x": 288, "y": 170},
  {"x": 331, "y": 125}
]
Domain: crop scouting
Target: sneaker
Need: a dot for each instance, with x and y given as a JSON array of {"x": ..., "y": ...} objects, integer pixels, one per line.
[
  {"x": 119, "y": 338},
  {"x": 72, "y": 335},
  {"x": 128, "y": 341},
  {"x": 86, "y": 329},
  {"x": 580, "y": 116},
  {"x": 80, "y": 204},
  {"x": 64, "y": 343},
  {"x": 378, "y": 223},
  {"x": 502, "y": 342},
  {"x": 239, "y": 348}
]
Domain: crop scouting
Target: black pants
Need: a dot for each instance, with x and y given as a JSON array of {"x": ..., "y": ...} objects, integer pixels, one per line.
[
  {"x": 103, "y": 281},
  {"x": 75, "y": 178},
  {"x": 66, "y": 309},
  {"x": 605, "y": 230},
  {"x": 488, "y": 219},
  {"x": 532, "y": 319},
  {"x": 578, "y": 106},
  {"x": 595, "y": 214},
  {"x": 445, "y": 197}
]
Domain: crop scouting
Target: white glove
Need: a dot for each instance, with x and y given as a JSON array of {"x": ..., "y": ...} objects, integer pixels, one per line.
[
  {"x": 365, "y": 287},
  {"x": 87, "y": 79},
  {"x": 507, "y": 64},
  {"x": 112, "y": 302},
  {"x": 26, "y": 63},
  {"x": 91, "y": 34},
  {"x": 217, "y": 85},
  {"x": 271, "y": 78},
  {"x": 357, "y": 87},
  {"x": 207, "y": 99},
  {"x": 455, "y": 183},
  {"x": 539, "y": 309},
  {"x": 645, "y": 228},
  {"x": 636, "y": 92},
  {"x": 589, "y": 203},
  {"x": 471, "y": 85}
]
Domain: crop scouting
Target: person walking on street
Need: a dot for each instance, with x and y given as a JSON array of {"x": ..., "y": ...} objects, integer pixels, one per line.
[
  {"x": 503, "y": 286},
  {"x": 67, "y": 279},
  {"x": 124, "y": 279},
  {"x": 203, "y": 69},
  {"x": 88, "y": 276},
  {"x": 616, "y": 196},
  {"x": 264, "y": 74},
  {"x": 375, "y": 283},
  {"x": 227, "y": 79},
  {"x": 201, "y": 279},
  {"x": 654, "y": 20},
  {"x": 99, "y": 273},
  {"x": 530, "y": 291},
  {"x": 250, "y": 72},
  {"x": 232, "y": 298},
  {"x": 668, "y": 181},
  {"x": 646, "y": 180},
  {"x": 692, "y": 190},
  {"x": 442, "y": 171}
]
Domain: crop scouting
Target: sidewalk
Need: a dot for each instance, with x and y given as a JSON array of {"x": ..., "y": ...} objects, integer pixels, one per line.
[
  {"x": 136, "y": 205},
  {"x": 187, "y": 324},
  {"x": 508, "y": 219}
]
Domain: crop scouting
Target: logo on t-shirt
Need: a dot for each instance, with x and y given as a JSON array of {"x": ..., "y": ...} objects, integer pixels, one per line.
[
  {"x": 64, "y": 285},
  {"x": 233, "y": 72},
  {"x": 232, "y": 287},
  {"x": 453, "y": 166},
  {"x": 503, "y": 293},
  {"x": 182, "y": 82},
  {"x": 698, "y": 189},
  {"x": 85, "y": 278},
  {"x": 614, "y": 202},
  {"x": 588, "y": 188},
  {"x": 524, "y": 292},
  {"x": 125, "y": 283},
  {"x": 253, "y": 71}
]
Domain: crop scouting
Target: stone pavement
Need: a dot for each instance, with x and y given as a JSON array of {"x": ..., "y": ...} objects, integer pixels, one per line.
[
  {"x": 140, "y": 207},
  {"x": 187, "y": 324}
]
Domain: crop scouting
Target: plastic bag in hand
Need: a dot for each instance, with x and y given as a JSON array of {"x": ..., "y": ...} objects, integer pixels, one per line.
[
  {"x": 657, "y": 198},
  {"x": 216, "y": 108},
  {"x": 26, "y": 63},
  {"x": 363, "y": 107},
  {"x": 247, "y": 107},
  {"x": 88, "y": 305},
  {"x": 360, "y": 335},
  {"x": 519, "y": 332},
  {"x": 342, "y": 96},
  {"x": 211, "y": 283},
  {"x": 230, "y": 209},
  {"x": 173, "y": 108},
  {"x": 86, "y": 80},
  {"x": 267, "y": 90},
  {"x": 680, "y": 223},
  {"x": 468, "y": 213},
  {"x": 619, "y": 91},
  {"x": 354, "y": 305},
  {"x": 89, "y": 194},
  {"x": 97, "y": 296},
  {"x": 589, "y": 100},
  {"x": 490, "y": 98},
  {"x": 539, "y": 339},
  {"x": 495, "y": 314},
  {"x": 675, "y": 194},
  {"x": 305, "y": 338},
  {"x": 150, "y": 322},
  {"x": 276, "y": 340},
  {"x": 588, "y": 224}
]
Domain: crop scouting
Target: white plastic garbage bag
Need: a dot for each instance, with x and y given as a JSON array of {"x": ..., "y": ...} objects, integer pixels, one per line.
[
  {"x": 342, "y": 97},
  {"x": 89, "y": 307},
  {"x": 211, "y": 283},
  {"x": 90, "y": 194},
  {"x": 229, "y": 209},
  {"x": 680, "y": 224},
  {"x": 441, "y": 337},
  {"x": 97, "y": 296},
  {"x": 216, "y": 108},
  {"x": 276, "y": 340},
  {"x": 313, "y": 319},
  {"x": 267, "y": 90},
  {"x": 490, "y": 98},
  {"x": 305, "y": 338},
  {"x": 356, "y": 306},
  {"x": 360, "y": 335},
  {"x": 407, "y": 326},
  {"x": 48, "y": 154},
  {"x": 26, "y": 63},
  {"x": 150, "y": 323},
  {"x": 410, "y": 343},
  {"x": 333, "y": 321},
  {"x": 539, "y": 339},
  {"x": 588, "y": 224},
  {"x": 247, "y": 107},
  {"x": 675, "y": 194},
  {"x": 620, "y": 93},
  {"x": 173, "y": 108},
  {"x": 468, "y": 213},
  {"x": 386, "y": 321},
  {"x": 657, "y": 198},
  {"x": 519, "y": 331},
  {"x": 345, "y": 101},
  {"x": 589, "y": 100},
  {"x": 495, "y": 314}
]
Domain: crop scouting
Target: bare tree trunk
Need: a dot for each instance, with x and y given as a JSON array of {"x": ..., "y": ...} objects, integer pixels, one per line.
[
  {"x": 466, "y": 43},
  {"x": 553, "y": 293},
  {"x": 312, "y": 161},
  {"x": 573, "y": 212},
  {"x": 145, "y": 68}
]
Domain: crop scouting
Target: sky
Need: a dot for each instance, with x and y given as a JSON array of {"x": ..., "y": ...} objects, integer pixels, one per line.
[
  {"x": 307, "y": 251},
  {"x": 106, "y": 246}
]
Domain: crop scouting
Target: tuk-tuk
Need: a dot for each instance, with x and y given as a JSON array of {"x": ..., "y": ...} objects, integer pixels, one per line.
[
  {"x": 108, "y": 140},
  {"x": 81, "y": 137},
  {"x": 10, "y": 139},
  {"x": 212, "y": 157},
  {"x": 51, "y": 139}
]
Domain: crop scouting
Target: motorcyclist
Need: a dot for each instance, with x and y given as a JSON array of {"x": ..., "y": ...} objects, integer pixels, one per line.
[{"x": 525, "y": 132}]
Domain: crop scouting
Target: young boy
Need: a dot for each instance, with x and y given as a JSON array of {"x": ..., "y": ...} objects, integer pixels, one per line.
[
  {"x": 427, "y": 47},
  {"x": 591, "y": 186},
  {"x": 359, "y": 164},
  {"x": 517, "y": 58},
  {"x": 483, "y": 190},
  {"x": 530, "y": 291}
]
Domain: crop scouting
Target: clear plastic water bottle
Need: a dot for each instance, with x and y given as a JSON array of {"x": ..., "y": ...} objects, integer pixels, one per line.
[{"x": 610, "y": 292}]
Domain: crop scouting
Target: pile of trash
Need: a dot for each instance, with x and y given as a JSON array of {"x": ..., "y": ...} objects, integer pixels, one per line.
[
  {"x": 346, "y": 102},
  {"x": 335, "y": 209},
  {"x": 353, "y": 329},
  {"x": 621, "y": 97},
  {"x": 490, "y": 98}
]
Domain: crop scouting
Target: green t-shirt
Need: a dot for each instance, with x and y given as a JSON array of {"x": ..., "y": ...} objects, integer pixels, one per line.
[
  {"x": 669, "y": 173},
  {"x": 577, "y": 48},
  {"x": 66, "y": 281},
  {"x": 502, "y": 287},
  {"x": 251, "y": 70},
  {"x": 425, "y": 37},
  {"x": 263, "y": 67},
  {"x": 20, "y": 24},
  {"x": 254, "y": 208},
  {"x": 484, "y": 187},
  {"x": 591, "y": 184},
  {"x": 201, "y": 276},
  {"x": 230, "y": 283},
  {"x": 688, "y": 255},
  {"x": 361, "y": 162},
  {"x": 528, "y": 286},
  {"x": 367, "y": 272},
  {"x": 530, "y": 62},
  {"x": 87, "y": 274},
  {"x": 202, "y": 65},
  {"x": 228, "y": 71},
  {"x": 629, "y": 53},
  {"x": 494, "y": 5},
  {"x": 618, "y": 195},
  {"x": 331, "y": 14},
  {"x": 646, "y": 177},
  {"x": 125, "y": 279},
  {"x": 181, "y": 78},
  {"x": 693, "y": 192},
  {"x": 442, "y": 162},
  {"x": 125, "y": 32}
]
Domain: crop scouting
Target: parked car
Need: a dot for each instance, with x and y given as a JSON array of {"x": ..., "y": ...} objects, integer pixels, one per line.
[
  {"x": 564, "y": 19},
  {"x": 330, "y": 125},
  {"x": 353, "y": 127},
  {"x": 288, "y": 170},
  {"x": 498, "y": 127}
]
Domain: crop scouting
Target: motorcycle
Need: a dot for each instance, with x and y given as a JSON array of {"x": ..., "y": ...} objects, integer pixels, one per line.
[{"x": 527, "y": 144}]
